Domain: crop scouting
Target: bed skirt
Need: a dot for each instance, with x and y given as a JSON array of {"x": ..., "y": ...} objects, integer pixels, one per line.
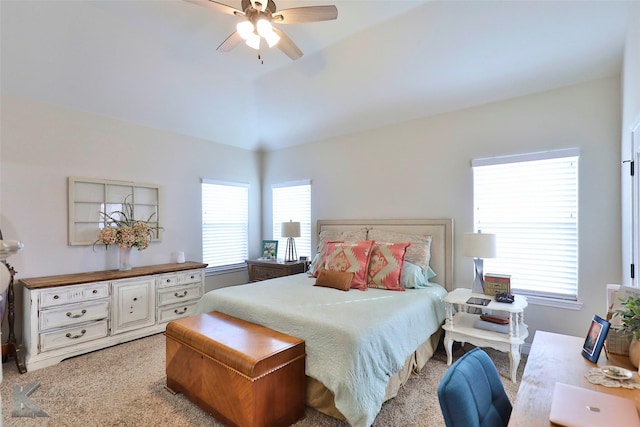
[{"x": 321, "y": 398}]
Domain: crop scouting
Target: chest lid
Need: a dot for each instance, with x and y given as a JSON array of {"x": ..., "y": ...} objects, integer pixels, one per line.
[{"x": 249, "y": 348}]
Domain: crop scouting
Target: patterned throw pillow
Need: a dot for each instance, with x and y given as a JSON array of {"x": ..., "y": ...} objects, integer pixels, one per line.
[
  {"x": 352, "y": 257},
  {"x": 385, "y": 265},
  {"x": 318, "y": 262},
  {"x": 419, "y": 253},
  {"x": 350, "y": 236}
]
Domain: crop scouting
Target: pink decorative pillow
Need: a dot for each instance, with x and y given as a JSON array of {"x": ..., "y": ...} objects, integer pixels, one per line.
[
  {"x": 419, "y": 253},
  {"x": 318, "y": 263},
  {"x": 385, "y": 265},
  {"x": 353, "y": 257}
]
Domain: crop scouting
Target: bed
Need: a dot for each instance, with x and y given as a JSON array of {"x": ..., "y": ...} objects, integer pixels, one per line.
[{"x": 362, "y": 345}]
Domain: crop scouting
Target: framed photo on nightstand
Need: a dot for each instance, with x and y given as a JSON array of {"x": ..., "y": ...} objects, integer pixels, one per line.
[
  {"x": 269, "y": 249},
  {"x": 595, "y": 338}
]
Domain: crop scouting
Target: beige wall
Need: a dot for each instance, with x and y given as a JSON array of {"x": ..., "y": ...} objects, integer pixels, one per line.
[
  {"x": 421, "y": 169},
  {"x": 42, "y": 145}
]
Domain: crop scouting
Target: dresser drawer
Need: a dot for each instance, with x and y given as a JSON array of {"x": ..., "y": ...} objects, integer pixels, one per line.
[
  {"x": 73, "y": 314},
  {"x": 264, "y": 273},
  {"x": 168, "y": 280},
  {"x": 190, "y": 277},
  {"x": 74, "y": 335},
  {"x": 182, "y": 278},
  {"x": 263, "y": 270},
  {"x": 167, "y": 314},
  {"x": 71, "y": 294},
  {"x": 179, "y": 294}
]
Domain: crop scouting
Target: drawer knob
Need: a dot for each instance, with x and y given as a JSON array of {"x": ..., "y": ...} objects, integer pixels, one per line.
[
  {"x": 95, "y": 291},
  {"x": 180, "y": 312},
  {"x": 184, "y": 294},
  {"x": 56, "y": 297},
  {"x": 75, "y": 316},
  {"x": 168, "y": 280},
  {"x": 193, "y": 277},
  {"x": 73, "y": 337}
]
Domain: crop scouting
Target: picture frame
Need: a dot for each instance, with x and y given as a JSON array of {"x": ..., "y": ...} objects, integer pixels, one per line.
[
  {"x": 269, "y": 249},
  {"x": 594, "y": 340}
]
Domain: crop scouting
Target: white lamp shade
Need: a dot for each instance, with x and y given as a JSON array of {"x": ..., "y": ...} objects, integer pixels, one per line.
[
  {"x": 263, "y": 27},
  {"x": 290, "y": 229},
  {"x": 272, "y": 38},
  {"x": 253, "y": 41},
  {"x": 245, "y": 29},
  {"x": 10, "y": 247},
  {"x": 479, "y": 245}
]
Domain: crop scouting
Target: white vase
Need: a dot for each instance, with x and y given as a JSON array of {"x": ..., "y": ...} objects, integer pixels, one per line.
[
  {"x": 634, "y": 352},
  {"x": 124, "y": 259}
]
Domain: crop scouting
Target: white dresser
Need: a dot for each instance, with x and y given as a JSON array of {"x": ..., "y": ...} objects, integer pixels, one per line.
[{"x": 72, "y": 314}]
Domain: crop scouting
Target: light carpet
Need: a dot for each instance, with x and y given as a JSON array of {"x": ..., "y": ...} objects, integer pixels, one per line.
[{"x": 124, "y": 386}]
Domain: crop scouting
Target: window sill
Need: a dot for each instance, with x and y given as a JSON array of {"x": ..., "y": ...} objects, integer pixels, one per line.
[
  {"x": 226, "y": 269},
  {"x": 554, "y": 302}
]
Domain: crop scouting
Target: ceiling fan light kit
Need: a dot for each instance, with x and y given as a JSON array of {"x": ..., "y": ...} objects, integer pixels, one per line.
[{"x": 258, "y": 24}]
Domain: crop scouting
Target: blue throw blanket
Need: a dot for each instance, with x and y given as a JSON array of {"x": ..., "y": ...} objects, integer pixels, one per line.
[{"x": 355, "y": 340}]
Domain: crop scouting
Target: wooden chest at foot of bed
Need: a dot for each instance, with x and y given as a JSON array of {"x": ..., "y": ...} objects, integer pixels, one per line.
[{"x": 242, "y": 373}]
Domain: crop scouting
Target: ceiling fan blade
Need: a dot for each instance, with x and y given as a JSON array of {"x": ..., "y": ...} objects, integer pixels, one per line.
[
  {"x": 232, "y": 41},
  {"x": 298, "y": 15},
  {"x": 217, "y": 7},
  {"x": 287, "y": 45}
]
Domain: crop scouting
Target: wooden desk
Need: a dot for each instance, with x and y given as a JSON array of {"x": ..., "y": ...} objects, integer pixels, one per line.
[{"x": 558, "y": 358}]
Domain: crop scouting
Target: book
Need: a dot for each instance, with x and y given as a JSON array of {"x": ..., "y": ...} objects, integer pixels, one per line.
[
  {"x": 495, "y": 318},
  {"x": 497, "y": 283},
  {"x": 490, "y": 326}
]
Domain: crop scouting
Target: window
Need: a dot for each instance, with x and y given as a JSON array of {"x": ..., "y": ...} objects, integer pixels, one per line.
[
  {"x": 225, "y": 223},
  {"x": 530, "y": 202},
  {"x": 88, "y": 197},
  {"x": 292, "y": 202}
]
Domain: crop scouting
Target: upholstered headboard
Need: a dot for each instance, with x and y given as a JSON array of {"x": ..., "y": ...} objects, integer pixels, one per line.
[{"x": 440, "y": 230}]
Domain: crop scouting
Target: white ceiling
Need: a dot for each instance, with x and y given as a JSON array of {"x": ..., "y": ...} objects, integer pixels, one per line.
[{"x": 155, "y": 62}]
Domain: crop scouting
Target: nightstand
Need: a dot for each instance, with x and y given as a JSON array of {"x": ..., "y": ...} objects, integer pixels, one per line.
[
  {"x": 263, "y": 269},
  {"x": 459, "y": 325}
]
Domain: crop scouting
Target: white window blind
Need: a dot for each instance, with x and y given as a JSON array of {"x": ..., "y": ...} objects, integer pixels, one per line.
[
  {"x": 225, "y": 223},
  {"x": 531, "y": 203},
  {"x": 292, "y": 202}
]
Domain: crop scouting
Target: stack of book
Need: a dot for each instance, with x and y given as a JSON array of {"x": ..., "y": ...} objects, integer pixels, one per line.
[
  {"x": 493, "y": 322},
  {"x": 497, "y": 284}
]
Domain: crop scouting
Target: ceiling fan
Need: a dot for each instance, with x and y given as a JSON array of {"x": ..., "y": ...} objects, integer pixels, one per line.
[{"x": 260, "y": 15}]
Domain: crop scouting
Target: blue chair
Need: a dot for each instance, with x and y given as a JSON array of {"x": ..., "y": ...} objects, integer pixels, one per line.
[{"x": 471, "y": 393}]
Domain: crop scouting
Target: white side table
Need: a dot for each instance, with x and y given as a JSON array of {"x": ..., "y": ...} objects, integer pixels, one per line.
[{"x": 459, "y": 325}]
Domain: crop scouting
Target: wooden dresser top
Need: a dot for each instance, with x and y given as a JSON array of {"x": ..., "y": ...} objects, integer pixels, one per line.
[{"x": 98, "y": 276}]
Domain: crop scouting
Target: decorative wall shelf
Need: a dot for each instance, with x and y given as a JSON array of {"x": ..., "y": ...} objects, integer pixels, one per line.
[{"x": 88, "y": 197}]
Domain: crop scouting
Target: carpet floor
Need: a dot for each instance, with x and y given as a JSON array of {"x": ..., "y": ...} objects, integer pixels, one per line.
[{"x": 124, "y": 386}]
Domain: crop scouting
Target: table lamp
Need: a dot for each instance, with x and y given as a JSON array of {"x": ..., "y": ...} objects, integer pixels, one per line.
[
  {"x": 290, "y": 230},
  {"x": 478, "y": 246}
]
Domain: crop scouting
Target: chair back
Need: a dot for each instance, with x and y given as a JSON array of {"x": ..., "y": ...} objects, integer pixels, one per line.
[{"x": 471, "y": 393}]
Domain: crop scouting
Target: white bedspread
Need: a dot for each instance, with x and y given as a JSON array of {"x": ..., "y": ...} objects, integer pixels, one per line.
[{"x": 355, "y": 340}]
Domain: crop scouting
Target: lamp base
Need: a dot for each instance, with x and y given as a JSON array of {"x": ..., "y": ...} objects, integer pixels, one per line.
[
  {"x": 291, "y": 254},
  {"x": 478, "y": 283}
]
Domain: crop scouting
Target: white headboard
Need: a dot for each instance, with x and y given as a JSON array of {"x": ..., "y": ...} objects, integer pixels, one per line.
[{"x": 441, "y": 231}]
